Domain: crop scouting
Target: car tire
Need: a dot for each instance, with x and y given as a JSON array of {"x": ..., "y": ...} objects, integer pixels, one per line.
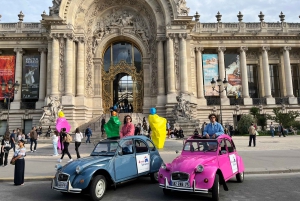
[
  {"x": 167, "y": 191},
  {"x": 240, "y": 177},
  {"x": 98, "y": 187},
  {"x": 215, "y": 190},
  {"x": 154, "y": 177}
]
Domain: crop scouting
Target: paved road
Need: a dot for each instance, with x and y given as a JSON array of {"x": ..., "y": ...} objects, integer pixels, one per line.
[{"x": 254, "y": 188}]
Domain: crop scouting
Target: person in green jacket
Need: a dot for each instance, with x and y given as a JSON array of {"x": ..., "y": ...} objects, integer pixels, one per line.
[{"x": 112, "y": 127}]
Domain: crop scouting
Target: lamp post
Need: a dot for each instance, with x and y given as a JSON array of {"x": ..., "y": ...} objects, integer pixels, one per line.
[
  {"x": 8, "y": 89},
  {"x": 220, "y": 84}
]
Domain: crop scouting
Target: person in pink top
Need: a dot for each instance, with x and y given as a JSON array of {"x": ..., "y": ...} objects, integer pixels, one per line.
[{"x": 127, "y": 128}]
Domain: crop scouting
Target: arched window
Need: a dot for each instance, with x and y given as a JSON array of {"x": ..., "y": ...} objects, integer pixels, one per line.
[{"x": 122, "y": 51}]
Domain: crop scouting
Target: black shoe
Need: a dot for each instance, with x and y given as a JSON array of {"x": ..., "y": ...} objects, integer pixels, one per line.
[
  {"x": 284, "y": 136},
  {"x": 249, "y": 146}
]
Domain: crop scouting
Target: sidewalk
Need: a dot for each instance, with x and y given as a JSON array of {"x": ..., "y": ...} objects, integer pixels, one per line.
[{"x": 271, "y": 155}]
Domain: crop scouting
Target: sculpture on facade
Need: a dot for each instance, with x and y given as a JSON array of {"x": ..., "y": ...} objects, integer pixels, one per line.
[
  {"x": 182, "y": 108},
  {"x": 54, "y": 10},
  {"x": 51, "y": 111},
  {"x": 182, "y": 9}
]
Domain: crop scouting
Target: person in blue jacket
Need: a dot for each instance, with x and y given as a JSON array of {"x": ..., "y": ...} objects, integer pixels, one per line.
[{"x": 213, "y": 129}]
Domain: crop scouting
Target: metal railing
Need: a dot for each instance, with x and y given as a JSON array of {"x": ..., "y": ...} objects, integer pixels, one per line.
[
  {"x": 28, "y": 105},
  {"x": 236, "y": 101},
  {"x": 259, "y": 101},
  {"x": 3, "y": 105},
  {"x": 213, "y": 100},
  {"x": 280, "y": 100}
]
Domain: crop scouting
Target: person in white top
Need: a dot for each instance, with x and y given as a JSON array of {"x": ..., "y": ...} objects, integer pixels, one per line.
[
  {"x": 54, "y": 142},
  {"x": 78, "y": 138}
]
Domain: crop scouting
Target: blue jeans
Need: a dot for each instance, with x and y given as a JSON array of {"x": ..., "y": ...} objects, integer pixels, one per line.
[
  {"x": 88, "y": 139},
  {"x": 31, "y": 143},
  {"x": 55, "y": 148},
  {"x": 272, "y": 133}
]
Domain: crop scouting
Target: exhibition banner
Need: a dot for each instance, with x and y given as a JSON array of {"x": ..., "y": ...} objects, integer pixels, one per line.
[
  {"x": 233, "y": 75},
  {"x": 31, "y": 77},
  {"x": 210, "y": 70},
  {"x": 7, "y": 71}
]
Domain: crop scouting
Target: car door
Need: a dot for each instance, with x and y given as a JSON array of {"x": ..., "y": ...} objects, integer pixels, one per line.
[
  {"x": 224, "y": 160},
  {"x": 125, "y": 161},
  {"x": 155, "y": 158},
  {"x": 142, "y": 157},
  {"x": 232, "y": 156}
]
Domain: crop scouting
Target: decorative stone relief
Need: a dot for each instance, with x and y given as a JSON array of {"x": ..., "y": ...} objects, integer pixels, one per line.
[
  {"x": 61, "y": 86},
  {"x": 51, "y": 111},
  {"x": 182, "y": 9},
  {"x": 176, "y": 61},
  {"x": 273, "y": 54},
  {"x": 54, "y": 10},
  {"x": 182, "y": 108},
  {"x": 294, "y": 54}
]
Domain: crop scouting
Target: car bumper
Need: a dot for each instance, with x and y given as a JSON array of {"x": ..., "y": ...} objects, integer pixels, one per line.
[
  {"x": 69, "y": 188},
  {"x": 192, "y": 189}
]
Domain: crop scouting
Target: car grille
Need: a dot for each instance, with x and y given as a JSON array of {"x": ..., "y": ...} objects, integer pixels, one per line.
[
  {"x": 180, "y": 176},
  {"x": 62, "y": 177}
]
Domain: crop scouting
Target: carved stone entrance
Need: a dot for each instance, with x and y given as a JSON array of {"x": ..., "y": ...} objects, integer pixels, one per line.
[{"x": 107, "y": 83}]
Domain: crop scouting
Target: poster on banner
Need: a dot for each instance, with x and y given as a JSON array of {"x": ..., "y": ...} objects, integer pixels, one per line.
[
  {"x": 233, "y": 163},
  {"x": 143, "y": 163},
  {"x": 233, "y": 72},
  {"x": 7, "y": 71},
  {"x": 31, "y": 77},
  {"x": 210, "y": 70}
]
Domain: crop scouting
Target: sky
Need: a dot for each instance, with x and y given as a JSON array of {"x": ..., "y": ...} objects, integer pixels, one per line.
[{"x": 32, "y": 9}]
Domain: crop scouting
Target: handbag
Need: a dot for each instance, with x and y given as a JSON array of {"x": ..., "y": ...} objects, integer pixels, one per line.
[
  {"x": 256, "y": 133},
  {"x": 12, "y": 162}
]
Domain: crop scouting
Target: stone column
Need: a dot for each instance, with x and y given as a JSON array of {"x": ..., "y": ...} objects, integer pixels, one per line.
[
  {"x": 18, "y": 77},
  {"x": 49, "y": 64},
  {"x": 160, "y": 68},
  {"x": 244, "y": 71},
  {"x": 183, "y": 64},
  {"x": 69, "y": 65},
  {"x": 55, "y": 65},
  {"x": 221, "y": 51},
  {"x": 266, "y": 72},
  {"x": 170, "y": 65},
  {"x": 287, "y": 71},
  {"x": 200, "y": 91},
  {"x": 43, "y": 78},
  {"x": 80, "y": 67}
]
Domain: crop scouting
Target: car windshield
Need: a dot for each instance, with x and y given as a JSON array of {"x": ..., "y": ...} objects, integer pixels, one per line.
[
  {"x": 201, "y": 146},
  {"x": 105, "y": 148}
]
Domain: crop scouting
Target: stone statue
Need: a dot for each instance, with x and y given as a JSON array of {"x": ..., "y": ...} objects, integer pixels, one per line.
[
  {"x": 54, "y": 10},
  {"x": 182, "y": 9},
  {"x": 182, "y": 109},
  {"x": 51, "y": 110}
]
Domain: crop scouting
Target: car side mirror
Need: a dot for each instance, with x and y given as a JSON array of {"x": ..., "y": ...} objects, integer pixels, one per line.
[
  {"x": 176, "y": 151},
  {"x": 120, "y": 153}
]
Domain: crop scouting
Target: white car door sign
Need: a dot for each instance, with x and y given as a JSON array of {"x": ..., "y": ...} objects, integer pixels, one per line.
[
  {"x": 233, "y": 163},
  {"x": 143, "y": 163}
]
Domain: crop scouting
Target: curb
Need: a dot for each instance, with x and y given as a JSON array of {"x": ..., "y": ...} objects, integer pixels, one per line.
[{"x": 49, "y": 178}]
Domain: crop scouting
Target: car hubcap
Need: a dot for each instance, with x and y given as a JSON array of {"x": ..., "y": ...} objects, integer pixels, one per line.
[
  {"x": 156, "y": 176},
  {"x": 99, "y": 190},
  {"x": 242, "y": 176}
]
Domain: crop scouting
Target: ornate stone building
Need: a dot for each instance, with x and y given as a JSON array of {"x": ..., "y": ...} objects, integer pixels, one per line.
[{"x": 86, "y": 47}]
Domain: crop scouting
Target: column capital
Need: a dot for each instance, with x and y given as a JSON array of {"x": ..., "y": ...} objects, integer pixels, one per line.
[
  {"x": 42, "y": 50},
  {"x": 69, "y": 36},
  {"x": 182, "y": 36},
  {"x": 54, "y": 36},
  {"x": 242, "y": 49},
  {"x": 19, "y": 50},
  {"x": 286, "y": 48},
  {"x": 199, "y": 49},
  {"x": 170, "y": 36},
  {"x": 160, "y": 39},
  {"x": 80, "y": 39},
  {"x": 221, "y": 49},
  {"x": 265, "y": 48}
]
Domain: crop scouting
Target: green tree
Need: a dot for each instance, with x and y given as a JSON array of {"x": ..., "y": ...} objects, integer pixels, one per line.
[
  {"x": 254, "y": 111},
  {"x": 245, "y": 123},
  {"x": 261, "y": 120},
  {"x": 287, "y": 119}
]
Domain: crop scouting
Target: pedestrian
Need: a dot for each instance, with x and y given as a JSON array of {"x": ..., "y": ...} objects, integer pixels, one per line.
[
  {"x": 12, "y": 140},
  {"x": 49, "y": 131},
  {"x": 168, "y": 129},
  {"x": 78, "y": 138},
  {"x": 137, "y": 130},
  {"x": 88, "y": 134},
  {"x": 33, "y": 139},
  {"x": 65, "y": 139},
  {"x": 180, "y": 132},
  {"x": 281, "y": 130},
  {"x": 231, "y": 131},
  {"x": 60, "y": 144},
  {"x": 128, "y": 127},
  {"x": 203, "y": 127},
  {"x": 19, "y": 161},
  {"x": 149, "y": 132},
  {"x": 55, "y": 143},
  {"x": 226, "y": 131},
  {"x": 5, "y": 147},
  {"x": 23, "y": 136},
  {"x": 40, "y": 131},
  {"x": 213, "y": 129},
  {"x": 102, "y": 125},
  {"x": 272, "y": 129},
  {"x": 176, "y": 133},
  {"x": 252, "y": 135}
]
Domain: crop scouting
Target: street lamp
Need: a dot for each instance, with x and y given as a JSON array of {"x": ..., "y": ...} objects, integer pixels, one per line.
[
  {"x": 7, "y": 90},
  {"x": 220, "y": 84}
]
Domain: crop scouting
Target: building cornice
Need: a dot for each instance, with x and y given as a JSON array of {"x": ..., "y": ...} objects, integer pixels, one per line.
[{"x": 196, "y": 38}]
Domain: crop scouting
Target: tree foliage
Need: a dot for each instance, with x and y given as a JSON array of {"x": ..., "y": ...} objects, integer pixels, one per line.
[
  {"x": 254, "y": 111},
  {"x": 287, "y": 119},
  {"x": 245, "y": 123}
]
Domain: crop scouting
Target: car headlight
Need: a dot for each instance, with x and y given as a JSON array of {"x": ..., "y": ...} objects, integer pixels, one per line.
[
  {"x": 199, "y": 168},
  {"x": 163, "y": 166},
  {"x": 58, "y": 166},
  {"x": 78, "y": 169}
]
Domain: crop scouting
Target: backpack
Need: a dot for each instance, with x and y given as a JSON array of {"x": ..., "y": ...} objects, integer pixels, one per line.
[{"x": 69, "y": 138}]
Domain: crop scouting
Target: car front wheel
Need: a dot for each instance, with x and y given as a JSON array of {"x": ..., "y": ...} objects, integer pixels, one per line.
[
  {"x": 240, "y": 177},
  {"x": 154, "y": 177},
  {"x": 216, "y": 189},
  {"x": 98, "y": 187}
]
